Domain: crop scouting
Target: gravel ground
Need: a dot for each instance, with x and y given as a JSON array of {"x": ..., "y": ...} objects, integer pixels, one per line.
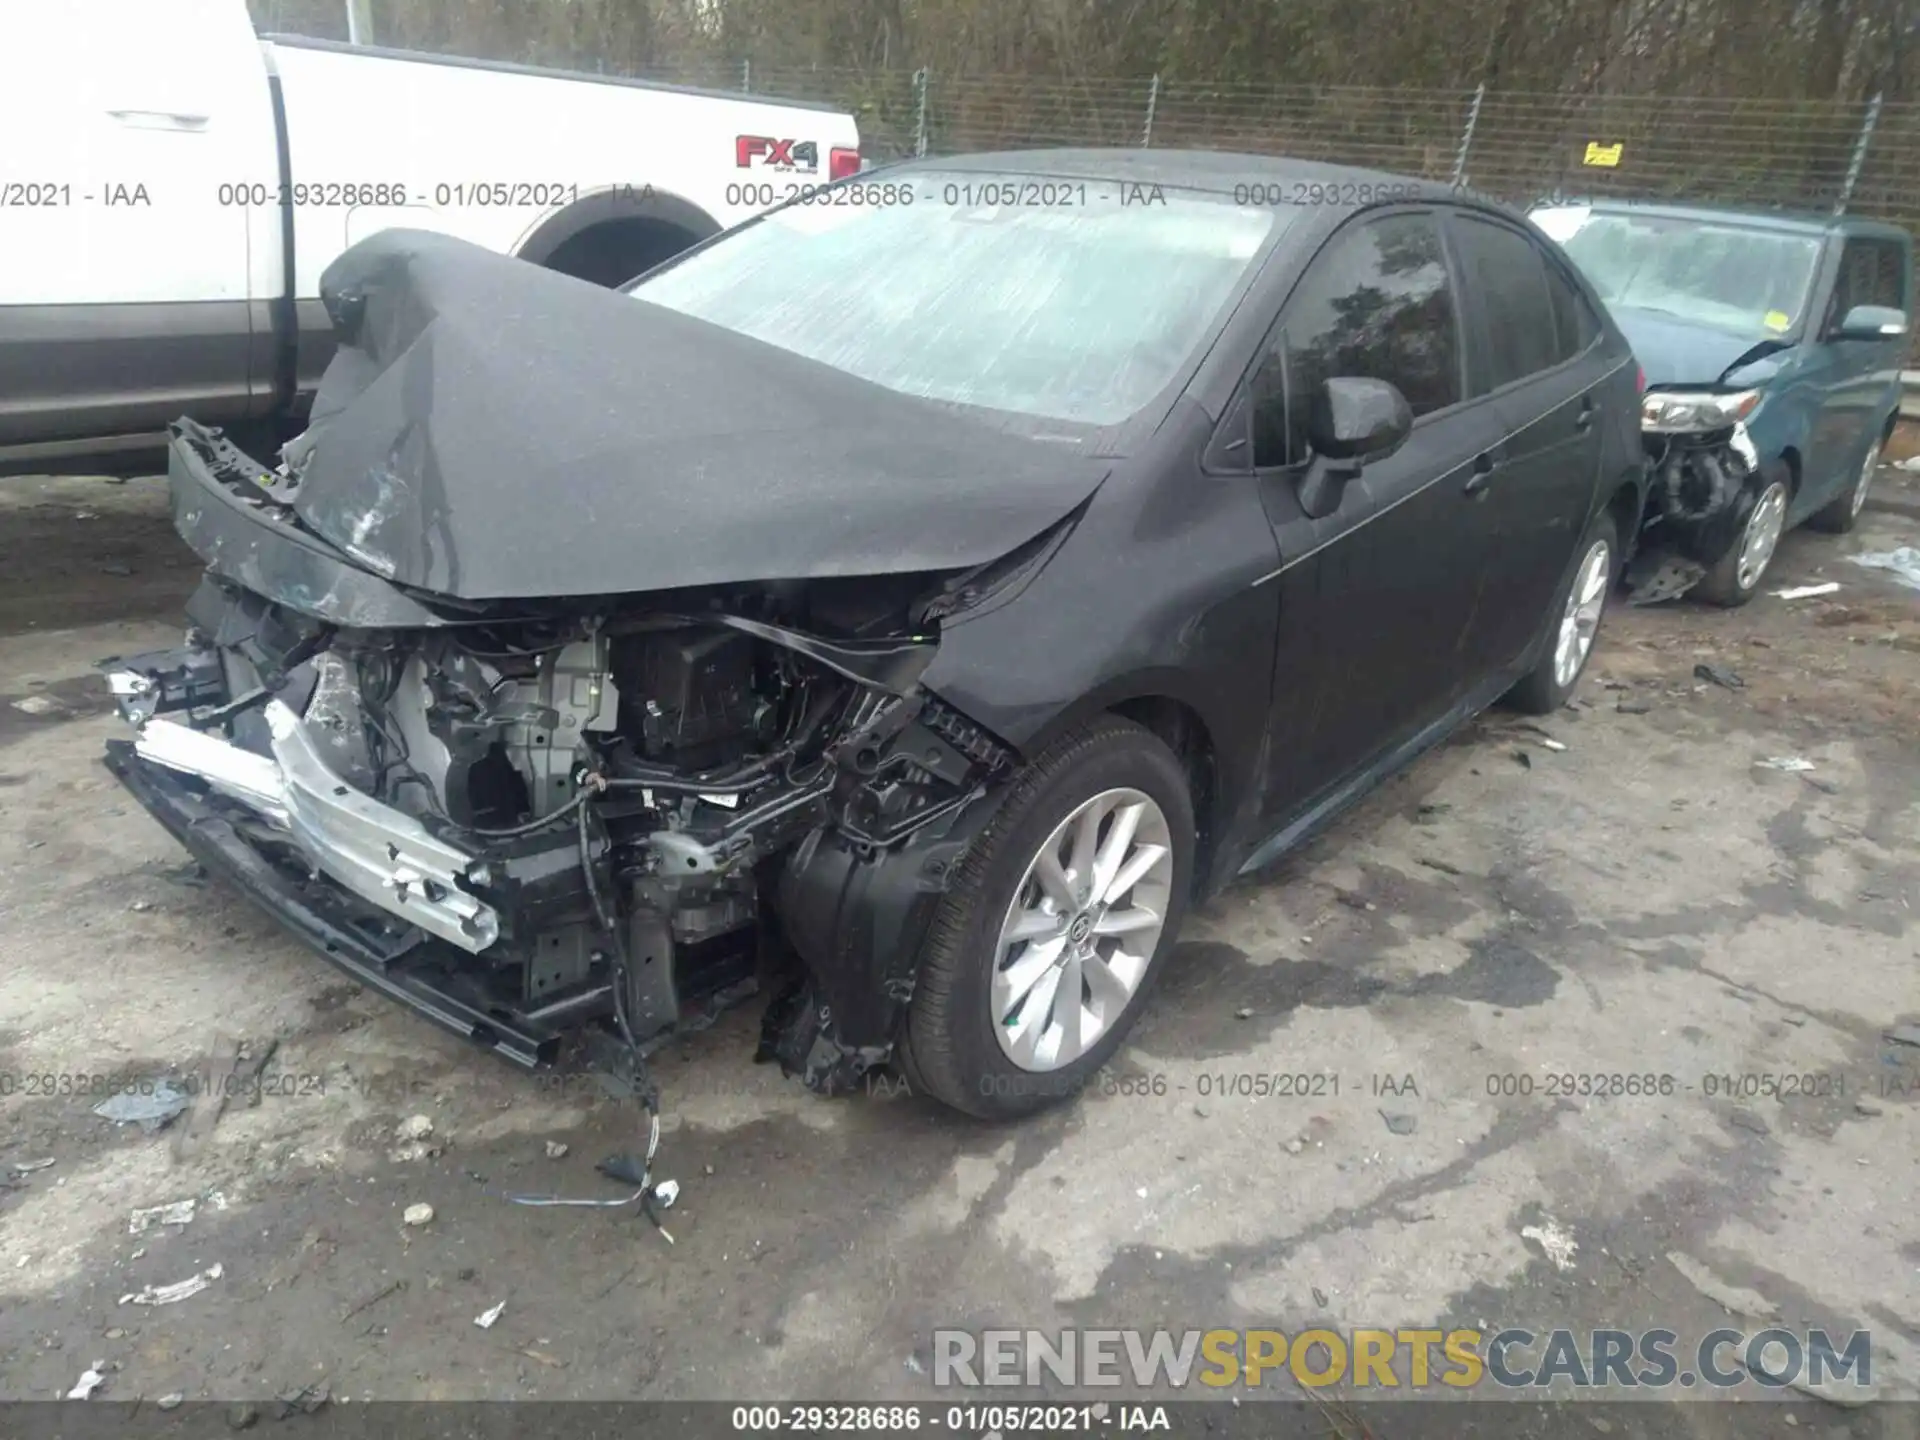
[{"x": 1648, "y": 899}]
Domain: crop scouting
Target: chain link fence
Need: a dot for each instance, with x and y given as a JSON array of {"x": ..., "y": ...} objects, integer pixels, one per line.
[{"x": 1820, "y": 156}]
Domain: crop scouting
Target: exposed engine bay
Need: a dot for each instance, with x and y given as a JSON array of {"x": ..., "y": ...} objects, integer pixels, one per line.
[
  {"x": 1699, "y": 465},
  {"x": 629, "y": 812}
]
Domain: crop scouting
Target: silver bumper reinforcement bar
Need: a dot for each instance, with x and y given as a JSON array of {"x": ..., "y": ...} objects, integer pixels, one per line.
[{"x": 382, "y": 855}]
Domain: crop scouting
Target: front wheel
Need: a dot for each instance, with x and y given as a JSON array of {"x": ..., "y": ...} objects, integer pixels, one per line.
[
  {"x": 1039, "y": 958},
  {"x": 1576, "y": 623},
  {"x": 1735, "y": 578}
]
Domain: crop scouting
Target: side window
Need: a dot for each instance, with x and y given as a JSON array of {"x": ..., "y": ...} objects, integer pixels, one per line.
[
  {"x": 1375, "y": 303},
  {"x": 1574, "y": 324},
  {"x": 1507, "y": 276},
  {"x": 1872, "y": 272}
]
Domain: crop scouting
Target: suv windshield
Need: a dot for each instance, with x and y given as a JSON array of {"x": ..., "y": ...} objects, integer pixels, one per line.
[
  {"x": 1067, "y": 300},
  {"x": 1732, "y": 277}
]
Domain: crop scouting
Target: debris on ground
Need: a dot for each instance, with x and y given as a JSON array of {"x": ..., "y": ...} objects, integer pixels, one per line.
[
  {"x": 421, "y": 1214},
  {"x": 1633, "y": 707},
  {"x": 1791, "y": 764},
  {"x": 1905, "y": 1035},
  {"x": 172, "y": 1400},
  {"x": 241, "y": 1076},
  {"x": 492, "y": 1313},
  {"x": 392, "y": 1288},
  {"x": 180, "y": 1290},
  {"x": 91, "y": 1379},
  {"x": 556, "y": 1149},
  {"x": 666, "y": 1192},
  {"x": 151, "y": 1104},
  {"x": 1398, "y": 1123},
  {"x": 1749, "y": 1121},
  {"x": 1553, "y": 1238},
  {"x": 1903, "y": 563},
  {"x": 180, "y": 1212},
  {"x": 1526, "y": 760},
  {"x": 307, "y": 1400},
  {"x": 1726, "y": 679},
  {"x": 414, "y": 1134},
  {"x": 1442, "y": 866},
  {"x": 1243, "y": 1013},
  {"x": 39, "y": 705},
  {"x": 27, "y": 1167},
  {"x": 1807, "y": 592}
]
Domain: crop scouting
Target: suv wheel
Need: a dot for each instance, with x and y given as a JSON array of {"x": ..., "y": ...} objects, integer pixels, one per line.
[
  {"x": 1736, "y": 578},
  {"x": 1040, "y": 956}
]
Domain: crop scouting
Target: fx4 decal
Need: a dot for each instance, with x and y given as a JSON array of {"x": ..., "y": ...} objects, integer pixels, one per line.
[{"x": 798, "y": 156}]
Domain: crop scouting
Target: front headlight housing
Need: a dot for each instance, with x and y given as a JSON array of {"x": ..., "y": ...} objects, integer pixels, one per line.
[{"x": 1689, "y": 412}]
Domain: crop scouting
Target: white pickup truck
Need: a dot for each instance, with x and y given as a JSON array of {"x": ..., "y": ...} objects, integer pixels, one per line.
[{"x": 172, "y": 186}]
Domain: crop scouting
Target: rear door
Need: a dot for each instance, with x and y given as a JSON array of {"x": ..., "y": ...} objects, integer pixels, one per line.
[
  {"x": 1378, "y": 599},
  {"x": 1533, "y": 350},
  {"x": 138, "y": 292}
]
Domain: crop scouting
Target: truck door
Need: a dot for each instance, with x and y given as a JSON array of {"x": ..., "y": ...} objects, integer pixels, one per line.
[{"x": 141, "y": 225}]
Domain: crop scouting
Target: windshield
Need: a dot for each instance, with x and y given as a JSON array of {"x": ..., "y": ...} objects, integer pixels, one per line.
[
  {"x": 1067, "y": 300},
  {"x": 1732, "y": 277}
]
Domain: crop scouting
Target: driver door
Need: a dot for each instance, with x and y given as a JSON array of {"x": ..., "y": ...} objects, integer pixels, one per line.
[{"x": 1381, "y": 601}]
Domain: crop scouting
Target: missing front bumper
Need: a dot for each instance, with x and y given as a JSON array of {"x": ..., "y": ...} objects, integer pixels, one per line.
[{"x": 378, "y": 853}]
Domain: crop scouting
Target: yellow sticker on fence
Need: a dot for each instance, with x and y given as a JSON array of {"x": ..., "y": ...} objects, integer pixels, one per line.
[
  {"x": 1778, "y": 320},
  {"x": 1604, "y": 155}
]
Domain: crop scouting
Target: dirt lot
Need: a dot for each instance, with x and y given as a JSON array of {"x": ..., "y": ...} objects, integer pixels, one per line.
[{"x": 1647, "y": 900}]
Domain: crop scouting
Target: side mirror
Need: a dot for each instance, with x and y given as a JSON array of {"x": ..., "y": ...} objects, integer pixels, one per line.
[
  {"x": 1350, "y": 420},
  {"x": 1871, "y": 322}
]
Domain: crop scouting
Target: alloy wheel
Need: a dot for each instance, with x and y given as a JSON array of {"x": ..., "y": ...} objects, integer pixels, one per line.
[
  {"x": 1081, "y": 931},
  {"x": 1762, "y": 534},
  {"x": 1581, "y": 622}
]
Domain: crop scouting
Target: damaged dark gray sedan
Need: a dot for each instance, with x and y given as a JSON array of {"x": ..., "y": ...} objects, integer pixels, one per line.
[{"x": 907, "y": 603}]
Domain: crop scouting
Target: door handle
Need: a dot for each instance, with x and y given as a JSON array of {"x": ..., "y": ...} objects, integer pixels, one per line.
[
  {"x": 1485, "y": 464},
  {"x": 161, "y": 119},
  {"x": 1585, "y": 422}
]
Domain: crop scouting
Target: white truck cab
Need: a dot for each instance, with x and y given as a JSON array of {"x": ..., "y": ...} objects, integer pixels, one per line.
[{"x": 172, "y": 187}]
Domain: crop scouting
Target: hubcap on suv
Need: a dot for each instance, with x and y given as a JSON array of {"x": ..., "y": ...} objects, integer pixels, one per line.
[
  {"x": 1865, "y": 482},
  {"x": 1585, "y": 601},
  {"x": 1762, "y": 534},
  {"x": 1082, "y": 928}
]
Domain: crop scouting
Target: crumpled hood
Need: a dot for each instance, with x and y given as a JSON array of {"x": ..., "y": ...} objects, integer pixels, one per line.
[
  {"x": 491, "y": 430},
  {"x": 1679, "y": 352}
]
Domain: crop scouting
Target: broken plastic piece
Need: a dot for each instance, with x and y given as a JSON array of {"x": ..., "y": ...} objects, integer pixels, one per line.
[
  {"x": 486, "y": 1317},
  {"x": 181, "y": 1290},
  {"x": 1792, "y": 764},
  {"x": 666, "y": 1192},
  {"x": 1807, "y": 592},
  {"x": 91, "y": 1379},
  {"x": 152, "y": 1106},
  {"x": 180, "y": 1212}
]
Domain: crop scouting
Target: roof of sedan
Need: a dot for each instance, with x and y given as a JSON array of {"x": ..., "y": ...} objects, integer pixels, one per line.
[{"x": 1208, "y": 170}]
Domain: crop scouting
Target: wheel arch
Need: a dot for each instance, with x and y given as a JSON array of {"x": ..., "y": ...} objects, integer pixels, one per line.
[
  {"x": 1158, "y": 702},
  {"x": 612, "y": 207}
]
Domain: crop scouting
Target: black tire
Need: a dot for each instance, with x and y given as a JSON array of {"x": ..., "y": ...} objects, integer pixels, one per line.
[
  {"x": 947, "y": 1046},
  {"x": 1540, "y": 691},
  {"x": 1842, "y": 513},
  {"x": 1723, "y": 585}
]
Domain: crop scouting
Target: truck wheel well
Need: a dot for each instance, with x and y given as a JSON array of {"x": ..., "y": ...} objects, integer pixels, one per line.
[
  {"x": 613, "y": 252},
  {"x": 1181, "y": 729}
]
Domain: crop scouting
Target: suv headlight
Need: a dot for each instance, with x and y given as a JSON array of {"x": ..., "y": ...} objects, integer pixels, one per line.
[{"x": 1684, "y": 412}]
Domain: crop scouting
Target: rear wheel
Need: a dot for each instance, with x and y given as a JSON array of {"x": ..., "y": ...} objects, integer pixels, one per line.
[
  {"x": 1736, "y": 578},
  {"x": 1040, "y": 957},
  {"x": 1582, "y": 602},
  {"x": 1842, "y": 513}
]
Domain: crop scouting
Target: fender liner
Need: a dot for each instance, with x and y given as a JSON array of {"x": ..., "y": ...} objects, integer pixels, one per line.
[{"x": 626, "y": 202}]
